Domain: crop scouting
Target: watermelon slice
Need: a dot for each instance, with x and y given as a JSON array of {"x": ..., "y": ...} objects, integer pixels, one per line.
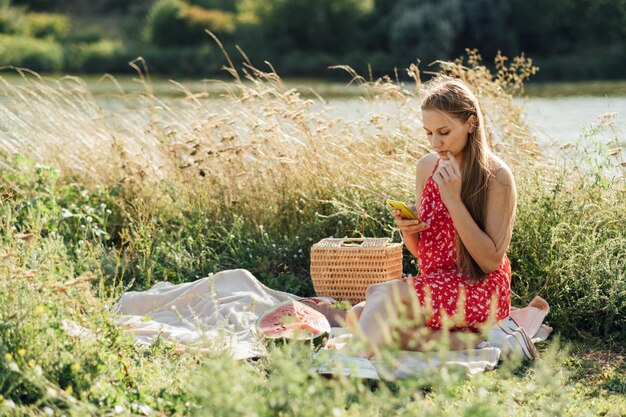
[{"x": 292, "y": 319}]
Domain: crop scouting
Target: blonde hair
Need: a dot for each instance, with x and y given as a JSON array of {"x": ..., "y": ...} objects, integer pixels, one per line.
[{"x": 453, "y": 97}]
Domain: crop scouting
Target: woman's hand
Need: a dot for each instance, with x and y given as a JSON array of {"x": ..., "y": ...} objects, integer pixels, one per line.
[
  {"x": 408, "y": 227},
  {"x": 448, "y": 179}
]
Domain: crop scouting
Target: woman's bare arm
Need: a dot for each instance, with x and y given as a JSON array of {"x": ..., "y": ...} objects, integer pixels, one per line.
[{"x": 411, "y": 228}]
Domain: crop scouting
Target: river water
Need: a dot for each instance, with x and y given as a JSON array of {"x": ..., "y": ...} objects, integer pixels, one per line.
[
  {"x": 558, "y": 119},
  {"x": 556, "y": 113}
]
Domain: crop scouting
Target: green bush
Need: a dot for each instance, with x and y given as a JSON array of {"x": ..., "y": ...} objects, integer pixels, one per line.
[
  {"x": 46, "y": 25},
  {"x": 217, "y": 21},
  {"x": 86, "y": 34},
  {"x": 328, "y": 26},
  {"x": 228, "y": 5},
  {"x": 166, "y": 22},
  {"x": 569, "y": 247},
  {"x": 311, "y": 64},
  {"x": 10, "y": 18},
  {"x": 183, "y": 60},
  {"x": 599, "y": 63},
  {"x": 425, "y": 30},
  {"x": 189, "y": 22},
  {"x": 36, "y": 54},
  {"x": 14, "y": 20},
  {"x": 36, "y": 350},
  {"x": 100, "y": 56},
  {"x": 35, "y": 4},
  {"x": 50, "y": 208}
]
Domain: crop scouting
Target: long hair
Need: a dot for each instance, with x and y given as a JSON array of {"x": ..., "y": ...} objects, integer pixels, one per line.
[{"x": 453, "y": 97}]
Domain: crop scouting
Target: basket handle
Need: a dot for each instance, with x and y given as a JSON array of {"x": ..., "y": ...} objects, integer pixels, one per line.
[{"x": 363, "y": 242}]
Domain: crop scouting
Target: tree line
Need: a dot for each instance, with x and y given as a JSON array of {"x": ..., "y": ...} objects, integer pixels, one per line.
[{"x": 568, "y": 39}]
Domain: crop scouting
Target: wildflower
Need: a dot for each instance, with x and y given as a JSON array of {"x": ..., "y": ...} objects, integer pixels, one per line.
[
  {"x": 144, "y": 409},
  {"x": 21, "y": 352},
  {"x": 32, "y": 363},
  {"x": 76, "y": 366},
  {"x": 8, "y": 357}
]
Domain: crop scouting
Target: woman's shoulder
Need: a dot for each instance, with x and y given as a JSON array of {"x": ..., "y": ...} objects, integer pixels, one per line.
[
  {"x": 500, "y": 171},
  {"x": 426, "y": 165}
]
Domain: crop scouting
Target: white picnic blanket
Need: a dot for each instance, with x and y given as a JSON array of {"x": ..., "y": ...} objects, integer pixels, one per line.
[
  {"x": 217, "y": 311},
  {"x": 220, "y": 311}
]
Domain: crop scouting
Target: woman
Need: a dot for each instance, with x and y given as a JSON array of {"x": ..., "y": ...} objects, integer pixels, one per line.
[{"x": 465, "y": 199}]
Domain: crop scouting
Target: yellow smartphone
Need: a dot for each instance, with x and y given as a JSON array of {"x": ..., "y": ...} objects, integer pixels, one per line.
[{"x": 405, "y": 211}]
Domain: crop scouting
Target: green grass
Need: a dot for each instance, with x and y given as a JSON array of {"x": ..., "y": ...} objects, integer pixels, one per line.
[{"x": 94, "y": 203}]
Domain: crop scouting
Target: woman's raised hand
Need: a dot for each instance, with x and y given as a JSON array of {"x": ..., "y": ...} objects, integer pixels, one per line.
[
  {"x": 448, "y": 179},
  {"x": 408, "y": 227}
]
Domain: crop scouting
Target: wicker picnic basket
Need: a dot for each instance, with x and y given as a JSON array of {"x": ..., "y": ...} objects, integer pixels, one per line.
[{"x": 344, "y": 268}]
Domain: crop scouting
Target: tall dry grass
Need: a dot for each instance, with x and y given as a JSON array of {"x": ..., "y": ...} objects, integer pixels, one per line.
[{"x": 260, "y": 138}]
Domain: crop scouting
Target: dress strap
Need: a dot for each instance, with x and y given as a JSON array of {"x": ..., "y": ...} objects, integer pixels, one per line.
[{"x": 435, "y": 168}]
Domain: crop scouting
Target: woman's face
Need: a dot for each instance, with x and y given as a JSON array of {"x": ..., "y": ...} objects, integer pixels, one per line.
[{"x": 446, "y": 133}]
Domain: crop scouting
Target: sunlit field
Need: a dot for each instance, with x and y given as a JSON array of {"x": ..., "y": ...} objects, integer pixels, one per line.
[{"x": 97, "y": 201}]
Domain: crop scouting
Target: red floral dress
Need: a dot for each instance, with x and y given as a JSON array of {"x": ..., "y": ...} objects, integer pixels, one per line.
[{"x": 441, "y": 286}]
